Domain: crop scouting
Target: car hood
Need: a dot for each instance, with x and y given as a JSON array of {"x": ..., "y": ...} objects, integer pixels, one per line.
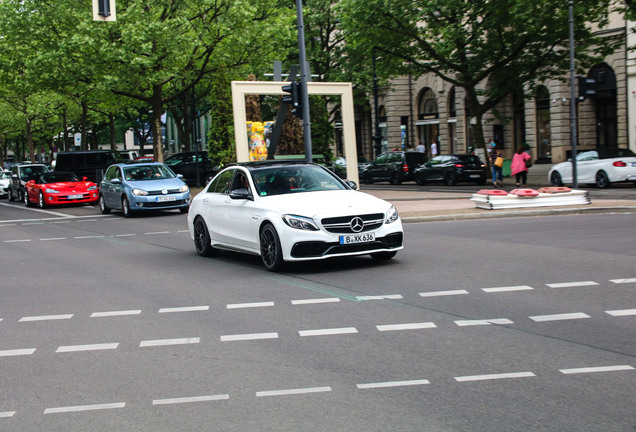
[
  {"x": 80, "y": 186},
  {"x": 173, "y": 183},
  {"x": 326, "y": 203}
]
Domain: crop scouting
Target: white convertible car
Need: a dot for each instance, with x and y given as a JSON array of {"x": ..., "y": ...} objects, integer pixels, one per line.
[
  {"x": 601, "y": 167},
  {"x": 291, "y": 211}
]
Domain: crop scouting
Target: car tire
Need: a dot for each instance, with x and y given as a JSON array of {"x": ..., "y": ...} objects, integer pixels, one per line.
[
  {"x": 450, "y": 179},
  {"x": 103, "y": 208},
  {"x": 271, "y": 250},
  {"x": 41, "y": 201},
  {"x": 602, "y": 181},
  {"x": 367, "y": 179},
  {"x": 11, "y": 197},
  {"x": 555, "y": 179},
  {"x": 395, "y": 179},
  {"x": 25, "y": 199},
  {"x": 419, "y": 181},
  {"x": 383, "y": 256},
  {"x": 125, "y": 207},
  {"x": 202, "y": 243}
]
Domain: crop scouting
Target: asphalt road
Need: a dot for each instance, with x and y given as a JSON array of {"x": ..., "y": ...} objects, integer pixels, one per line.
[{"x": 488, "y": 325}]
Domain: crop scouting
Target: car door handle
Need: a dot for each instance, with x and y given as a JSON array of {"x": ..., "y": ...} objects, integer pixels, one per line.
[{"x": 205, "y": 200}]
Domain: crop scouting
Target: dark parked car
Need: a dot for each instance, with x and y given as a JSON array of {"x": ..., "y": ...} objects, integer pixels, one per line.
[
  {"x": 90, "y": 164},
  {"x": 395, "y": 167},
  {"x": 186, "y": 165},
  {"x": 452, "y": 169},
  {"x": 20, "y": 174}
]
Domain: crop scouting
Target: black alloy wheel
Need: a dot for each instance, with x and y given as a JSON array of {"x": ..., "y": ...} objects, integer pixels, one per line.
[
  {"x": 602, "y": 181},
  {"x": 202, "y": 242},
  {"x": 450, "y": 179},
  {"x": 395, "y": 179},
  {"x": 555, "y": 179},
  {"x": 271, "y": 251}
]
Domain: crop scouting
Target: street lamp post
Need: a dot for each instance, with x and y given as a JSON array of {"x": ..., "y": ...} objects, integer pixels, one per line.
[{"x": 573, "y": 134}]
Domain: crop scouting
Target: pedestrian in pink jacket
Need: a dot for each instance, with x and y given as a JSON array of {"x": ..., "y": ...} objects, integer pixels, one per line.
[{"x": 521, "y": 161}]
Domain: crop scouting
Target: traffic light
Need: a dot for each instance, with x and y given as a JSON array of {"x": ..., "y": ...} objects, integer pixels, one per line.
[
  {"x": 294, "y": 98},
  {"x": 586, "y": 87}
]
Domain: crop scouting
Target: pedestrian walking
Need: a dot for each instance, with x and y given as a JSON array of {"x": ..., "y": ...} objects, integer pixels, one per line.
[
  {"x": 433, "y": 149},
  {"x": 521, "y": 161},
  {"x": 421, "y": 148},
  {"x": 496, "y": 160}
]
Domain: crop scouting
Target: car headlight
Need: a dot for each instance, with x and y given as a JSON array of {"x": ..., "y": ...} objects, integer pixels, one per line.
[
  {"x": 300, "y": 222},
  {"x": 92, "y": 188},
  {"x": 51, "y": 190},
  {"x": 391, "y": 215},
  {"x": 139, "y": 192},
  {"x": 184, "y": 188}
]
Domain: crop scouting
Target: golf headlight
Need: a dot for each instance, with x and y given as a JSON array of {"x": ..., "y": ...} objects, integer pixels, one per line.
[
  {"x": 48, "y": 190},
  {"x": 391, "y": 215},
  {"x": 184, "y": 188},
  {"x": 139, "y": 192},
  {"x": 300, "y": 222}
]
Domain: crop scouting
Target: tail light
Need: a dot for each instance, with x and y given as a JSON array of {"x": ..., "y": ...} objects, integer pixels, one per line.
[
  {"x": 405, "y": 168},
  {"x": 458, "y": 165},
  {"x": 619, "y": 164}
]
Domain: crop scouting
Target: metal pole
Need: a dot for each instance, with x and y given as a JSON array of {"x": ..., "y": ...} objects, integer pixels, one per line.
[
  {"x": 575, "y": 182},
  {"x": 304, "y": 77}
]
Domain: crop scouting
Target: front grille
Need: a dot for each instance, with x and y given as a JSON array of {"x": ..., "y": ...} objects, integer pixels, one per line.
[
  {"x": 319, "y": 249},
  {"x": 158, "y": 192},
  {"x": 162, "y": 204},
  {"x": 342, "y": 224}
]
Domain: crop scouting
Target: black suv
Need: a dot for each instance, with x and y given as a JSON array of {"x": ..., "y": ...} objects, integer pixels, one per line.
[
  {"x": 452, "y": 169},
  {"x": 395, "y": 167},
  {"x": 186, "y": 165},
  {"x": 90, "y": 164},
  {"x": 20, "y": 174}
]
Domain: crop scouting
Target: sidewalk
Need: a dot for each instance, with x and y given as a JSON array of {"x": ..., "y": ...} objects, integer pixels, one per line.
[{"x": 416, "y": 206}]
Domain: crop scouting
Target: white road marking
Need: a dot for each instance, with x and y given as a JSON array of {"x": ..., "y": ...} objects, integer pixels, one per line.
[
  {"x": 92, "y": 347},
  {"x": 184, "y": 309},
  {"x": 463, "y": 323},
  {"x": 17, "y": 352},
  {"x": 393, "y": 384},
  {"x": 7, "y": 414},
  {"x": 409, "y": 326},
  {"x": 249, "y": 305},
  {"x": 596, "y": 369},
  {"x": 17, "y": 241},
  {"x": 115, "y": 313},
  {"x": 183, "y": 231},
  {"x": 327, "y": 332},
  {"x": 559, "y": 317},
  {"x": 62, "y": 222},
  {"x": 380, "y": 297},
  {"x": 190, "y": 399},
  {"x": 88, "y": 220},
  {"x": 125, "y": 235},
  {"x": 33, "y": 209},
  {"x": 572, "y": 284},
  {"x": 157, "y": 232},
  {"x": 89, "y": 237},
  {"x": 53, "y": 238},
  {"x": 293, "y": 391},
  {"x": 508, "y": 288},
  {"x": 32, "y": 223},
  {"x": 443, "y": 293},
  {"x": 314, "y": 301},
  {"x": 494, "y": 376},
  {"x": 622, "y": 281},
  {"x": 164, "y": 342},
  {"x": 249, "y": 336},
  {"x": 623, "y": 312},
  {"x": 79, "y": 408},
  {"x": 46, "y": 318}
]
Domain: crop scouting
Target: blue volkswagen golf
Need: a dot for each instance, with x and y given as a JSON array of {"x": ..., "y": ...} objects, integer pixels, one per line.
[{"x": 132, "y": 188}]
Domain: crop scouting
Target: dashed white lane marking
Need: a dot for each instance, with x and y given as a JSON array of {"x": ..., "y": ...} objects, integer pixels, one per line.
[
  {"x": 46, "y": 318},
  {"x": 393, "y": 384},
  {"x": 89, "y": 237},
  {"x": 494, "y": 376},
  {"x": 17, "y": 241},
  {"x": 249, "y": 305},
  {"x": 315, "y": 301},
  {"x": 443, "y": 293},
  {"x": 115, "y": 313},
  {"x": 33, "y": 223},
  {"x": 623, "y": 312},
  {"x": 596, "y": 369},
  {"x": 572, "y": 284},
  {"x": 79, "y": 408},
  {"x": 559, "y": 317},
  {"x": 91, "y": 347},
  {"x": 17, "y": 352},
  {"x": 183, "y": 231},
  {"x": 380, "y": 297},
  {"x": 293, "y": 391},
  {"x": 53, "y": 238},
  {"x": 408, "y": 326},
  {"x": 164, "y": 342},
  {"x": 508, "y": 288},
  {"x": 125, "y": 235},
  {"x": 248, "y": 336},
  {"x": 463, "y": 323},
  {"x": 157, "y": 232},
  {"x": 7, "y": 414},
  {"x": 622, "y": 281},
  {"x": 327, "y": 332},
  {"x": 191, "y": 399},
  {"x": 184, "y": 309}
]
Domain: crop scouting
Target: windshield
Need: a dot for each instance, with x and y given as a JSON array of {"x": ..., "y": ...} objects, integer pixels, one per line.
[
  {"x": 294, "y": 179},
  {"x": 57, "y": 177},
  {"x": 147, "y": 172},
  {"x": 32, "y": 172},
  {"x": 5, "y": 174}
]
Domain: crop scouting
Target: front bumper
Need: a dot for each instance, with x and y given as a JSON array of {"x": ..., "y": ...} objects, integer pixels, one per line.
[{"x": 156, "y": 202}]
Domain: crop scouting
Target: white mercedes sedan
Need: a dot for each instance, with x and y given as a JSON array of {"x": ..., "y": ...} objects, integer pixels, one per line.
[
  {"x": 289, "y": 211},
  {"x": 600, "y": 167}
]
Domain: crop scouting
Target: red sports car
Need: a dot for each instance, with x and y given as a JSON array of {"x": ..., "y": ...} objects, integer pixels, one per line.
[{"x": 60, "y": 187}]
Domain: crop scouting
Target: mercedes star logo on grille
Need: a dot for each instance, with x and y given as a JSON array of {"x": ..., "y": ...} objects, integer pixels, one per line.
[{"x": 357, "y": 224}]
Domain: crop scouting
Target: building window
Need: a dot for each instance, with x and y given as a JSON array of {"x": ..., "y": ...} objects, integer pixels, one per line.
[
  {"x": 606, "y": 106},
  {"x": 452, "y": 122},
  {"x": 428, "y": 120},
  {"x": 542, "y": 101}
]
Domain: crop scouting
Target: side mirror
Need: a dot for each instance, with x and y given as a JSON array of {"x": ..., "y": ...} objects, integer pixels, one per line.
[
  {"x": 84, "y": 178},
  {"x": 240, "y": 194},
  {"x": 31, "y": 182},
  {"x": 180, "y": 176},
  {"x": 116, "y": 181},
  {"x": 353, "y": 185}
]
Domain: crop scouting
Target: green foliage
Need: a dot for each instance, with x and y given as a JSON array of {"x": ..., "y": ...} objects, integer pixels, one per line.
[{"x": 221, "y": 145}]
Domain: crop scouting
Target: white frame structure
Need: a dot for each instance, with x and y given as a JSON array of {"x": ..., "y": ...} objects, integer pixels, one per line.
[{"x": 242, "y": 88}]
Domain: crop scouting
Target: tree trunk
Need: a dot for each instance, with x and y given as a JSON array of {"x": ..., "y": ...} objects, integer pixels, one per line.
[
  {"x": 30, "y": 143},
  {"x": 113, "y": 142},
  {"x": 157, "y": 107},
  {"x": 84, "y": 142}
]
